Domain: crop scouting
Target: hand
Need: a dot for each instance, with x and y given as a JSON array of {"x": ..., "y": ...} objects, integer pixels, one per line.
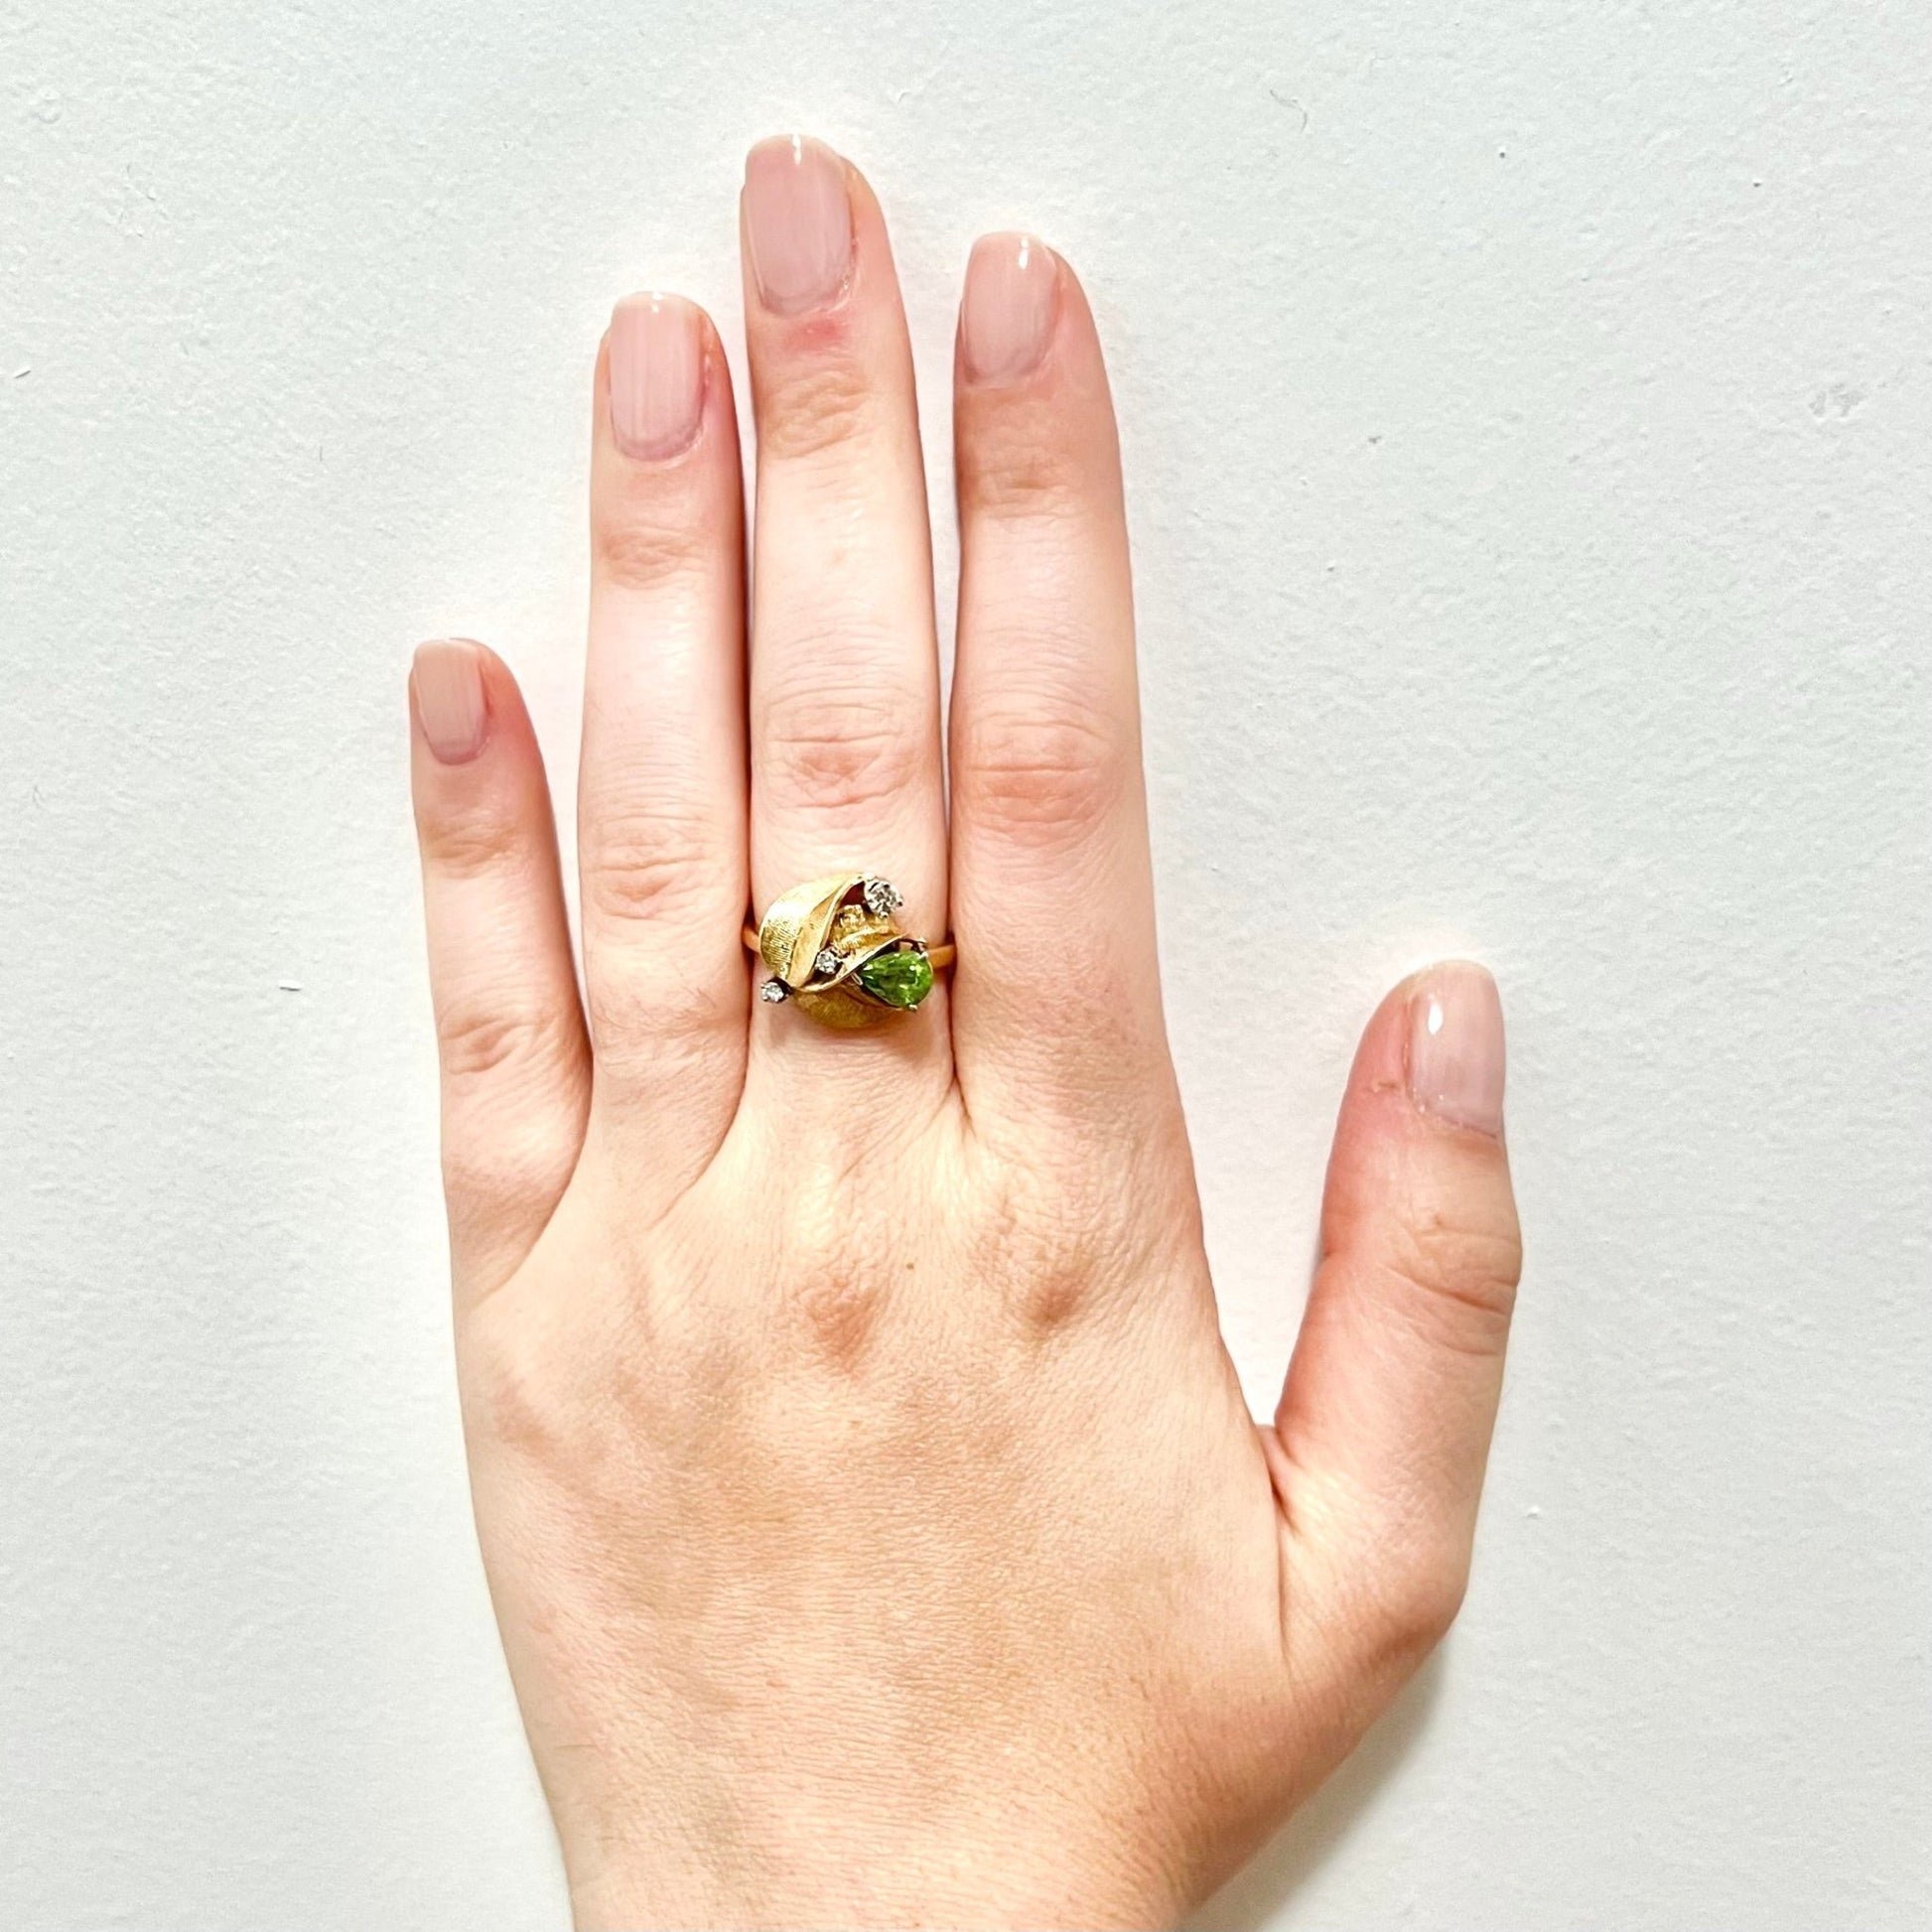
[{"x": 876, "y": 1526}]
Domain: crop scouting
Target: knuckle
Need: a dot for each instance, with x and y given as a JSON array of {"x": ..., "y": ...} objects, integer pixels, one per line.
[
  {"x": 838, "y": 1311},
  {"x": 507, "y": 1399},
  {"x": 840, "y": 749},
  {"x": 1463, "y": 1273},
  {"x": 839, "y": 1274},
  {"x": 1010, "y": 472},
  {"x": 1030, "y": 777},
  {"x": 644, "y": 866},
  {"x": 478, "y": 1038},
  {"x": 814, "y": 407},
  {"x": 643, "y": 543},
  {"x": 835, "y": 1295},
  {"x": 1070, "y": 1277},
  {"x": 468, "y": 845}
]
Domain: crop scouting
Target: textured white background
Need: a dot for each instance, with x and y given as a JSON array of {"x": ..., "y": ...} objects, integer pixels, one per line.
[{"x": 1527, "y": 410}]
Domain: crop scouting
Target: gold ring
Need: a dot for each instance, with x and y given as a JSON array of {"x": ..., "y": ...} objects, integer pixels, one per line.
[{"x": 833, "y": 947}]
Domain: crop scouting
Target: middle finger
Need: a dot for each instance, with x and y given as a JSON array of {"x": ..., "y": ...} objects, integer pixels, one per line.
[{"x": 846, "y": 764}]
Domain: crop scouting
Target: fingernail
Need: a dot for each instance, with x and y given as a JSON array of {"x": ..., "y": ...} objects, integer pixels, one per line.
[
  {"x": 1455, "y": 1047},
  {"x": 1007, "y": 313},
  {"x": 798, "y": 223},
  {"x": 447, "y": 681},
  {"x": 657, "y": 375}
]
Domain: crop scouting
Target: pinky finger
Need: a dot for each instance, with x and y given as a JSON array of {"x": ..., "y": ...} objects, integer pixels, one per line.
[{"x": 510, "y": 1026}]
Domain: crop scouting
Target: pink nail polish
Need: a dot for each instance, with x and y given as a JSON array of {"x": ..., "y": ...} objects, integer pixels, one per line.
[
  {"x": 447, "y": 684},
  {"x": 657, "y": 376},
  {"x": 1006, "y": 317},
  {"x": 797, "y": 223},
  {"x": 1456, "y": 1046}
]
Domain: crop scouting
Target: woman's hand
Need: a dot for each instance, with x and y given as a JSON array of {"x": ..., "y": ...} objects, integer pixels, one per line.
[{"x": 876, "y": 1526}]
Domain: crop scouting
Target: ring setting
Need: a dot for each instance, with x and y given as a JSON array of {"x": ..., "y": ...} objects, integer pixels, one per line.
[{"x": 834, "y": 948}]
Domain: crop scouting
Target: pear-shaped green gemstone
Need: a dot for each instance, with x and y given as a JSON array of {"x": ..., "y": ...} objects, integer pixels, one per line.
[{"x": 899, "y": 979}]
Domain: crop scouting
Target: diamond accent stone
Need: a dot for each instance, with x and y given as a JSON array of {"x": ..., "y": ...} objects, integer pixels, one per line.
[
  {"x": 828, "y": 962},
  {"x": 773, "y": 992},
  {"x": 882, "y": 897}
]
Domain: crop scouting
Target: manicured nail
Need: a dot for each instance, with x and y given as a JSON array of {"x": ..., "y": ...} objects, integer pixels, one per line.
[
  {"x": 1456, "y": 1046},
  {"x": 798, "y": 223},
  {"x": 657, "y": 375},
  {"x": 447, "y": 681},
  {"x": 1007, "y": 314}
]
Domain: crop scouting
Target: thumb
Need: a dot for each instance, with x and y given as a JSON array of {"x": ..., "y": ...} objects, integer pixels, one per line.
[{"x": 1385, "y": 1419}]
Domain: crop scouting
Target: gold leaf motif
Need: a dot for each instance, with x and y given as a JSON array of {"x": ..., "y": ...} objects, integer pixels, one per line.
[{"x": 827, "y": 915}]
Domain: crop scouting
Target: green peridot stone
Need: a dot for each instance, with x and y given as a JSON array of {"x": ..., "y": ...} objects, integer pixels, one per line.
[{"x": 899, "y": 979}]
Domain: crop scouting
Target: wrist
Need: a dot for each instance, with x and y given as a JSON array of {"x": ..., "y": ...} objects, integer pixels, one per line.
[{"x": 869, "y": 1880}]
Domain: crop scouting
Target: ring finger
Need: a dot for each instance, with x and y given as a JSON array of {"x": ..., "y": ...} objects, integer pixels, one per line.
[{"x": 846, "y": 770}]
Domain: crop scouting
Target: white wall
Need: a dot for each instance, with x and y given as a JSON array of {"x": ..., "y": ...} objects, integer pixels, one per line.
[{"x": 1528, "y": 412}]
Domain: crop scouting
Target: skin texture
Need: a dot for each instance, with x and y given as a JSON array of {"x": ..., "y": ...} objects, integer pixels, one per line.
[{"x": 877, "y": 1530}]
